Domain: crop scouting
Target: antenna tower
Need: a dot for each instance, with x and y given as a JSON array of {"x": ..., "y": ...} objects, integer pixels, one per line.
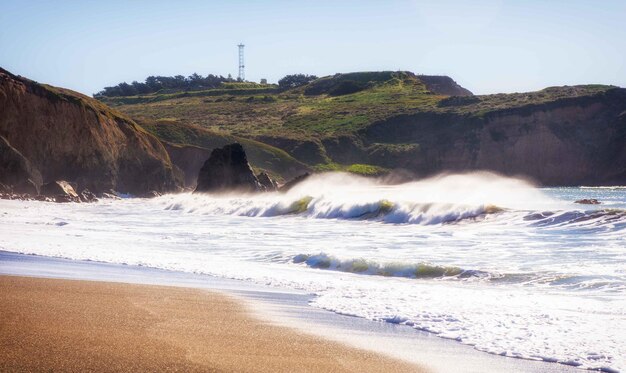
[{"x": 242, "y": 75}]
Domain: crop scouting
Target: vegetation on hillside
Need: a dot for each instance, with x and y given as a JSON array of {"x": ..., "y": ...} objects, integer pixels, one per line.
[
  {"x": 333, "y": 107},
  {"x": 169, "y": 84},
  {"x": 292, "y": 113},
  {"x": 195, "y": 82},
  {"x": 295, "y": 80}
]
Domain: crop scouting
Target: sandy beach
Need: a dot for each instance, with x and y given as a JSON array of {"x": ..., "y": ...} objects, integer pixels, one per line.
[{"x": 68, "y": 325}]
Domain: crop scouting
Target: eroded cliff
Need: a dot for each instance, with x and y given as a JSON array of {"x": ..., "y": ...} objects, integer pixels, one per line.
[
  {"x": 577, "y": 141},
  {"x": 66, "y": 135}
]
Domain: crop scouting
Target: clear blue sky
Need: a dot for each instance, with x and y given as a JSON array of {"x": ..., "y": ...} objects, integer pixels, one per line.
[{"x": 488, "y": 46}]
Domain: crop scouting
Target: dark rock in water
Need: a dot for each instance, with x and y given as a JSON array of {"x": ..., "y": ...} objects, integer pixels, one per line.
[
  {"x": 267, "y": 182},
  {"x": 16, "y": 171},
  {"x": 61, "y": 190},
  {"x": 293, "y": 182},
  {"x": 588, "y": 201},
  {"x": 87, "y": 196},
  {"x": 227, "y": 169}
]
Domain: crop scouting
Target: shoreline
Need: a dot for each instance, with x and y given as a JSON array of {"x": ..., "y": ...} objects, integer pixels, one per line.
[{"x": 290, "y": 308}]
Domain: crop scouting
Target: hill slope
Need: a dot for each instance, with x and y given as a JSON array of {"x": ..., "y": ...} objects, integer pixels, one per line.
[
  {"x": 557, "y": 136},
  {"x": 189, "y": 146}
]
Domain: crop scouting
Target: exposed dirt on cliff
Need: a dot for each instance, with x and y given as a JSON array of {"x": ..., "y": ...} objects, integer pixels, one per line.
[{"x": 69, "y": 136}]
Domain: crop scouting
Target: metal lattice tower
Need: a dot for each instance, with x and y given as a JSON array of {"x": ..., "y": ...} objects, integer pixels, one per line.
[{"x": 242, "y": 75}]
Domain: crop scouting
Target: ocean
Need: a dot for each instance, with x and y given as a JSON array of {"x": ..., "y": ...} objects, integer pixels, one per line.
[{"x": 488, "y": 261}]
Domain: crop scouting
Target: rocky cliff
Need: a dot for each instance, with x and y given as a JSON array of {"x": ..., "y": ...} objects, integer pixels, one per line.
[
  {"x": 575, "y": 141},
  {"x": 66, "y": 135}
]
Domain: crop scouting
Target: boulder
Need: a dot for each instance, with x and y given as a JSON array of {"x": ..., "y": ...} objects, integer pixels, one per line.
[
  {"x": 293, "y": 182},
  {"x": 227, "y": 169},
  {"x": 588, "y": 201},
  {"x": 267, "y": 182},
  {"x": 61, "y": 190}
]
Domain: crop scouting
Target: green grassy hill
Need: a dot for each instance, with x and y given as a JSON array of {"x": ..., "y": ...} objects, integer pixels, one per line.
[
  {"x": 317, "y": 109},
  {"x": 362, "y": 119}
]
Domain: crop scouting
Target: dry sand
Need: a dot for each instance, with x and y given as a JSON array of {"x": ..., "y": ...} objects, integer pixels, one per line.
[{"x": 65, "y": 325}]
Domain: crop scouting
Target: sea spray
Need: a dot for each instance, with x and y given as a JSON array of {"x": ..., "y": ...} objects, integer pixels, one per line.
[{"x": 437, "y": 200}]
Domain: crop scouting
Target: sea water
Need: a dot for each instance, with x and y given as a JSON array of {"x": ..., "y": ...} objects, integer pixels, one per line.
[{"x": 488, "y": 261}]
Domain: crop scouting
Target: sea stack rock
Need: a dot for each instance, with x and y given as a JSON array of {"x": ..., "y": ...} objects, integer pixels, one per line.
[{"x": 227, "y": 169}]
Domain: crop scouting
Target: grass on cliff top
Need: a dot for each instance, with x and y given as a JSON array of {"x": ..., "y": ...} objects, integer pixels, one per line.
[
  {"x": 357, "y": 168},
  {"x": 286, "y": 114},
  {"x": 56, "y": 94},
  {"x": 504, "y": 101},
  {"x": 320, "y": 109}
]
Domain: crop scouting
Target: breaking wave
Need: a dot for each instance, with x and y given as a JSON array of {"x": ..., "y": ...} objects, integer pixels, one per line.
[
  {"x": 369, "y": 267},
  {"x": 424, "y": 270},
  {"x": 615, "y": 218},
  {"x": 441, "y": 200},
  {"x": 447, "y": 199}
]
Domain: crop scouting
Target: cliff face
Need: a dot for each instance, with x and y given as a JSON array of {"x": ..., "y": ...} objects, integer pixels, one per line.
[
  {"x": 569, "y": 142},
  {"x": 69, "y": 136}
]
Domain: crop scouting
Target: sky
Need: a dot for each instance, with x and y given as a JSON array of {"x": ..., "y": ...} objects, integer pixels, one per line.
[{"x": 487, "y": 46}]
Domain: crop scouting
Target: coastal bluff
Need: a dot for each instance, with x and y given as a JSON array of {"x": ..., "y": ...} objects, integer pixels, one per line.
[{"x": 55, "y": 134}]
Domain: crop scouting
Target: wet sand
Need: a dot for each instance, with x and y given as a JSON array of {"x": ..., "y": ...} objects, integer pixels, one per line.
[{"x": 68, "y": 325}]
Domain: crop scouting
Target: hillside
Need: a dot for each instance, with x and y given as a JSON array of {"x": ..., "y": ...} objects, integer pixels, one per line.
[
  {"x": 53, "y": 134},
  {"x": 189, "y": 146},
  {"x": 388, "y": 120}
]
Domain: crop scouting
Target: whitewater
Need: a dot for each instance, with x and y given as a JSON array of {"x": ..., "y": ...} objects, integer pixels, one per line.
[{"x": 489, "y": 261}]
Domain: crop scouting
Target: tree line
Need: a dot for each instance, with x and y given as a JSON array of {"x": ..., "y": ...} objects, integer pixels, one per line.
[
  {"x": 193, "y": 82},
  {"x": 157, "y": 83}
]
